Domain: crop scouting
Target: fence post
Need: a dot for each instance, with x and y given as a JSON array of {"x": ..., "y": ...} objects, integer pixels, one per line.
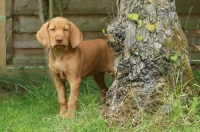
[{"x": 2, "y": 38}]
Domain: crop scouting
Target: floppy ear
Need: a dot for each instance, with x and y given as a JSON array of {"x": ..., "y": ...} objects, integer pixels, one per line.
[
  {"x": 43, "y": 36},
  {"x": 76, "y": 35}
]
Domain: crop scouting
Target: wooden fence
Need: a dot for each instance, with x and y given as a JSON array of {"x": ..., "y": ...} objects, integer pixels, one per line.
[
  {"x": 91, "y": 16},
  {"x": 2, "y": 39}
]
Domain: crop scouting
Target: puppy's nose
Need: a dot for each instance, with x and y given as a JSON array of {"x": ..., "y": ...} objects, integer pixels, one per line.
[{"x": 59, "y": 39}]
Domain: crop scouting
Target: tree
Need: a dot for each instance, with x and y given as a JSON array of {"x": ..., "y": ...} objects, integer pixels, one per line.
[{"x": 152, "y": 59}]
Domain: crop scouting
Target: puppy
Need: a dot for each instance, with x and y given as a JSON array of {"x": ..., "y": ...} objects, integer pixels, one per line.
[{"x": 72, "y": 59}]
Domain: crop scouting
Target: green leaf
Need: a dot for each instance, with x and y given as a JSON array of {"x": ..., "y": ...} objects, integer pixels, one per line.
[
  {"x": 133, "y": 16},
  {"x": 2, "y": 18},
  {"x": 151, "y": 27},
  {"x": 174, "y": 57},
  {"x": 140, "y": 22},
  {"x": 103, "y": 31},
  {"x": 139, "y": 38}
]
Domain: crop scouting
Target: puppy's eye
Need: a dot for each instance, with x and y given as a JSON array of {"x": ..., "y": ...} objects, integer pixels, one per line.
[
  {"x": 52, "y": 29},
  {"x": 66, "y": 29}
]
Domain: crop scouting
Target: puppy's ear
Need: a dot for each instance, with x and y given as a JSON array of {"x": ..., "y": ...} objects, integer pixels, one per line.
[
  {"x": 43, "y": 36},
  {"x": 76, "y": 35}
]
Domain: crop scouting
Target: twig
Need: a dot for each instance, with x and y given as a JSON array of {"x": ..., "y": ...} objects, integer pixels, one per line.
[
  {"x": 41, "y": 11},
  {"x": 51, "y": 9}
]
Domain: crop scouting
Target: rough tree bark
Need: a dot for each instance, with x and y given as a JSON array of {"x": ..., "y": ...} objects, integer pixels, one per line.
[{"x": 151, "y": 57}]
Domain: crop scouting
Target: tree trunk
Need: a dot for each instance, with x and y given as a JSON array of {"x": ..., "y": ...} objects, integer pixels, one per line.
[{"x": 151, "y": 58}]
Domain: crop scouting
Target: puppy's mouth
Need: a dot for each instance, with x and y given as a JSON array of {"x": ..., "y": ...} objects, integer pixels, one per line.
[{"x": 60, "y": 46}]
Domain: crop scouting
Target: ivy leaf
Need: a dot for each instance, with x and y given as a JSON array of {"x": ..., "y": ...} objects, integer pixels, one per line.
[
  {"x": 2, "y": 18},
  {"x": 140, "y": 23},
  {"x": 174, "y": 57},
  {"x": 133, "y": 16},
  {"x": 103, "y": 31},
  {"x": 139, "y": 38},
  {"x": 151, "y": 27}
]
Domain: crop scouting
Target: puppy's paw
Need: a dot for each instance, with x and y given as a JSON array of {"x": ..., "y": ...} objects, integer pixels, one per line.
[
  {"x": 69, "y": 114},
  {"x": 62, "y": 113}
]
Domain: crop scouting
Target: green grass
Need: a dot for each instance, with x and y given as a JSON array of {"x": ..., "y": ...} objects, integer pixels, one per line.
[{"x": 28, "y": 103}]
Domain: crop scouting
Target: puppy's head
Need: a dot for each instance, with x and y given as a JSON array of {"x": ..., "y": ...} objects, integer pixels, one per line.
[{"x": 58, "y": 33}]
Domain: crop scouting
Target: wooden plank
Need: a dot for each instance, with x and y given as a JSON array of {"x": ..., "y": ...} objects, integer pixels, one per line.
[
  {"x": 9, "y": 30},
  {"x": 25, "y": 7},
  {"x": 36, "y": 56},
  {"x": 25, "y": 40},
  {"x": 29, "y": 52},
  {"x": 29, "y": 7},
  {"x": 2, "y": 39},
  {"x": 31, "y": 24},
  {"x": 183, "y": 6},
  {"x": 191, "y": 33},
  {"x": 26, "y": 24},
  {"x": 8, "y": 8},
  {"x": 91, "y": 7},
  {"x": 94, "y": 6},
  {"x": 195, "y": 57},
  {"x": 192, "y": 37},
  {"x": 18, "y": 60},
  {"x": 192, "y": 41},
  {"x": 191, "y": 23},
  {"x": 28, "y": 57},
  {"x": 93, "y": 35},
  {"x": 90, "y": 23}
]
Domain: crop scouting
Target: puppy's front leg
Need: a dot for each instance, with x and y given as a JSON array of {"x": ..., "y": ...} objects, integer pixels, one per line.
[
  {"x": 73, "y": 98},
  {"x": 61, "y": 91}
]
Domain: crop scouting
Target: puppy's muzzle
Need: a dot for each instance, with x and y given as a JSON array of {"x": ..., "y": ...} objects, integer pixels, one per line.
[{"x": 59, "y": 40}]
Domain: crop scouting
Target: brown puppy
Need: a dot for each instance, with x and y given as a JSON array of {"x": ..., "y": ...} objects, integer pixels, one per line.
[{"x": 71, "y": 60}]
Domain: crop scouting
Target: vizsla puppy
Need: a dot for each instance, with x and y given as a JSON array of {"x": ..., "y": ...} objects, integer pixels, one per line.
[{"x": 71, "y": 60}]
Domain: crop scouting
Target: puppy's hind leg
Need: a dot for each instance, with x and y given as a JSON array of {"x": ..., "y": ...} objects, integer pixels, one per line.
[{"x": 99, "y": 79}]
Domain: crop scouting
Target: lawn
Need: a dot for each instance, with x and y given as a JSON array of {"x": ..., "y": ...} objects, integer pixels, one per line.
[{"x": 28, "y": 103}]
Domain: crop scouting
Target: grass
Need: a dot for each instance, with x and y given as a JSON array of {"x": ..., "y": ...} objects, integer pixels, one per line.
[{"x": 28, "y": 103}]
